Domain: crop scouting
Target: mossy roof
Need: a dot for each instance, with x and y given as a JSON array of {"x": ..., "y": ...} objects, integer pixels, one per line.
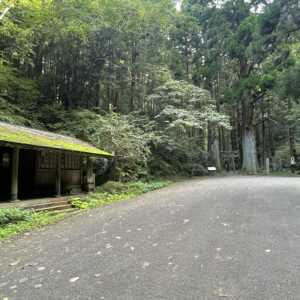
[{"x": 13, "y": 134}]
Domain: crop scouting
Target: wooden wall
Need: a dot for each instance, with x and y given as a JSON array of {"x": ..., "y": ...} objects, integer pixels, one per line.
[
  {"x": 46, "y": 172},
  {"x": 38, "y": 174}
]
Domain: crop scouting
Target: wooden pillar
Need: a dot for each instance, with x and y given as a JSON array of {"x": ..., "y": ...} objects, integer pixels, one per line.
[
  {"x": 90, "y": 175},
  {"x": 15, "y": 174},
  {"x": 58, "y": 175}
]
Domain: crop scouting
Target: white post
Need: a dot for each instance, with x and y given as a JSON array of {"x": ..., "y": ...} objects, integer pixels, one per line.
[{"x": 268, "y": 165}]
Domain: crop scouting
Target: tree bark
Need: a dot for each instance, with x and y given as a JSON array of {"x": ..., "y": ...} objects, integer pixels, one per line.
[
  {"x": 248, "y": 130},
  {"x": 98, "y": 94},
  {"x": 249, "y": 151},
  {"x": 263, "y": 138},
  {"x": 292, "y": 141},
  {"x": 215, "y": 148},
  {"x": 134, "y": 56}
]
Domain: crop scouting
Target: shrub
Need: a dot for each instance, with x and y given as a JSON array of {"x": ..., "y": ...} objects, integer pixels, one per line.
[
  {"x": 13, "y": 215},
  {"x": 116, "y": 191},
  {"x": 137, "y": 187},
  {"x": 145, "y": 187},
  {"x": 118, "y": 134},
  {"x": 113, "y": 187},
  {"x": 79, "y": 203}
]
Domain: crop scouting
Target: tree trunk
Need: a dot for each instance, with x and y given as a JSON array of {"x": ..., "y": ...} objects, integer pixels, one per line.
[
  {"x": 248, "y": 129},
  {"x": 239, "y": 136},
  {"x": 292, "y": 141},
  {"x": 249, "y": 151},
  {"x": 98, "y": 94},
  {"x": 271, "y": 151},
  {"x": 215, "y": 148},
  {"x": 264, "y": 139},
  {"x": 260, "y": 161},
  {"x": 134, "y": 56},
  {"x": 205, "y": 139}
]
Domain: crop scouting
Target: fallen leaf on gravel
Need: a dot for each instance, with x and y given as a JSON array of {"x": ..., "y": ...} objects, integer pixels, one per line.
[
  {"x": 74, "y": 279},
  {"x": 14, "y": 263}
]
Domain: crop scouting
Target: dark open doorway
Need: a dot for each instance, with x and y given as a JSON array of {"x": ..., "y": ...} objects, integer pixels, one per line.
[
  {"x": 27, "y": 167},
  {"x": 5, "y": 173}
]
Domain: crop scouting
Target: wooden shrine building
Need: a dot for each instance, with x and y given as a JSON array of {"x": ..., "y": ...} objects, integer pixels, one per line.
[{"x": 35, "y": 164}]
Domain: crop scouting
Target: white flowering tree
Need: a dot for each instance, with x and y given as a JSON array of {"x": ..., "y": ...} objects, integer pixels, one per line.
[{"x": 181, "y": 114}]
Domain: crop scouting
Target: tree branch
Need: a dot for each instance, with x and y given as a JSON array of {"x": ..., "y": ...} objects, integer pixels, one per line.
[{"x": 258, "y": 97}]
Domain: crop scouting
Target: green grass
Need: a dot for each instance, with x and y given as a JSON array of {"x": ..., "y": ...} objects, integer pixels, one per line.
[
  {"x": 115, "y": 191},
  {"x": 32, "y": 221},
  {"x": 15, "y": 221}
]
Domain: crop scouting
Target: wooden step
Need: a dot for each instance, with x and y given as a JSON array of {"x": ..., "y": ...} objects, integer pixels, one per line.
[
  {"x": 71, "y": 211},
  {"x": 48, "y": 204},
  {"x": 54, "y": 208}
]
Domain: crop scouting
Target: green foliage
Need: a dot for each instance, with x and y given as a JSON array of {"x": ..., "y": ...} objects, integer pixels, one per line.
[
  {"x": 145, "y": 187},
  {"x": 15, "y": 221},
  {"x": 90, "y": 68},
  {"x": 34, "y": 220},
  {"x": 116, "y": 133},
  {"x": 116, "y": 191},
  {"x": 289, "y": 82},
  {"x": 113, "y": 187},
  {"x": 148, "y": 83},
  {"x": 180, "y": 115},
  {"x": 78, "y": 203},
  {"x": 96, "y": 200},
  {"x": 13, "y": 215},
  {"x": 13, "y": 114},
  {"x": 246, "y": 48}
]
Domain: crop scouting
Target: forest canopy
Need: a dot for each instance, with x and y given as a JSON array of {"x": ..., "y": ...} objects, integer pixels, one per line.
[{"x": 169, "y": 91}]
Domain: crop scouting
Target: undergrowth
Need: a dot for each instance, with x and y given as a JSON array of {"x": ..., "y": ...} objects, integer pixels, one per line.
[
  {"x": 22, "y": 221},
  {"x": 116, "y": 191},
  {"x": 14, "y": 221}
]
